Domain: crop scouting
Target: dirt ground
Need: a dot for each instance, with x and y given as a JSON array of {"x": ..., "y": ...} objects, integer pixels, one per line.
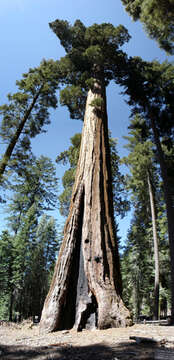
[{"x": 24, "y": 341}]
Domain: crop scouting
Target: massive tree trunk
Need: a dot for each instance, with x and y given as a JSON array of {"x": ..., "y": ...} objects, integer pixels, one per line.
[
  {"x": 86, "y": 286},
  {"x": 155, "y": 242}
]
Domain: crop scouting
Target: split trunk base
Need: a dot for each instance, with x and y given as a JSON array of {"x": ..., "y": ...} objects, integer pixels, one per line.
[{"x": 86, "y": 286}]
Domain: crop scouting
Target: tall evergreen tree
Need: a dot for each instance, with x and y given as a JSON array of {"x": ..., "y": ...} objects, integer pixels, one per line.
[
  {"x": 143, "y": 181},
  {"x": 137, "y": 265},
  {"x": 33, "y": 254},
  {"x": 26, "y": 112},
  {"x": 27, "y": 259},
  {"x": 150, "y": 90},
  {"x": 41, "y": 246},
  {"x": 24, "y": 244},
  {"x": 35, "y": 185},
  {"x": 88, "y": 265},
  {"x": 6, "y": 273}
]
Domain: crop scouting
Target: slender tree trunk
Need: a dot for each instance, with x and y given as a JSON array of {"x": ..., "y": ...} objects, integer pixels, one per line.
[
  {"x": 7, "y": 155},
  {"x": 156, "y": 251},
  {"x": 169, "y": 208},
  {"x": 11, "y": 305},
  {"x": 136, "y": 296},
  {"x": 86, "y": 286}
]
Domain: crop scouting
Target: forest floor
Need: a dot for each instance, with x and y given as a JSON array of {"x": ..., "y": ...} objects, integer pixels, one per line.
[{"x": 25, "y": 342}]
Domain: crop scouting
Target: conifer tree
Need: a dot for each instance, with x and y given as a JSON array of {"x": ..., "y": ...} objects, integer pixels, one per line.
[
  {"x": 26, "y": 113},
  {"x": 24, "y": 244},
  {"x": 149, "y": 87},
  {"x": 6, "y": 273},
  {"x": 86, "y": 287},
  {"x": 36, "y": 184},
  {"x": 144, "y": 180},
  {"x": 35, "y": 241},
  {"x": 30, "y": 260},
  {"x": 137, "y": 264},
  {"x": 157, "y": 18}
]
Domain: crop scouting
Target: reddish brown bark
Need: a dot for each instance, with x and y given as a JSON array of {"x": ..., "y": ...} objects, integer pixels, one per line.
[{"x": 86, "y": 287}]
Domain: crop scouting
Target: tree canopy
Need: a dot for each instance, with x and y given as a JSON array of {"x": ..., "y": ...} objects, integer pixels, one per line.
[
  {"x": 93, "y": 58},
  {"x": 87, "y": 282},
  {"x": 157, "y": 18},
  {"x": 88, "y": 49},
  {"x": 26, "y": 113}
]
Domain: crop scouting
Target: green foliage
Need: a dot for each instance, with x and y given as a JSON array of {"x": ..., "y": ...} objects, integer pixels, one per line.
[
  {"x": 36, "y": 184},
  {"x": 26, "y": 113},
  {"x": 150, "y": 95},
  {"x": 75, "y": 98},
  {"x": 138, "y": 256},
  {"x": 90, "y": 83},
  {"x": 97, "y": 103},
  {"x": 23, "y": 242},
  {"x": 137, "y": 265},
  {"x": 152, "y": 84},
  {"x": 140, "y": 159},
  {"x": 28, "y": 255},
  {"x": 91, "y": 52},
  {"x": 6, "y": 258},
  {"x": 157, "y": 18},
  {"x": 4, "y": 307},
  {"x": 27, "y": 260},
  {"x": 42, "y": 81},
  {"x": 31, "y": 279},
  {"x": 6, "y": 261},
  {"x": 70, "y": 157},
  {"x": 150, "y": 91},
  {"x": 120, "y": 195}
]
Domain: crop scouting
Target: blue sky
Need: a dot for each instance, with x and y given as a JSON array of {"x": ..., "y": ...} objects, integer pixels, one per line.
[{"x": 26, "y": 39}]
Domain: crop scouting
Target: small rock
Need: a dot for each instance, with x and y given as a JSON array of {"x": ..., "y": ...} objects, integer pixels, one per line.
[{"x": 65, "y": 332}]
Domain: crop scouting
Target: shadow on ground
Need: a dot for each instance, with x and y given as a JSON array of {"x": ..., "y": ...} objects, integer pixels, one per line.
[{"x": 126, "y": 351}]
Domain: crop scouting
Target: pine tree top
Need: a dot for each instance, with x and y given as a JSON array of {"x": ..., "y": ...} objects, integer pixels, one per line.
[{"x": 91, "y": 52}]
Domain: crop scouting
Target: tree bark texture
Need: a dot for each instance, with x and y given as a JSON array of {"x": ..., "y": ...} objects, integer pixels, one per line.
[
  {"x": 169, "y": 207},
  {"x": 86, "y": 286},
  {"x": 156, "y": 250}
]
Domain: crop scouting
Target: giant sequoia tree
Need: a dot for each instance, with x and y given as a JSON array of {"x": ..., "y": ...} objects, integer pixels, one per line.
[{"x": 86, "y": 286}]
